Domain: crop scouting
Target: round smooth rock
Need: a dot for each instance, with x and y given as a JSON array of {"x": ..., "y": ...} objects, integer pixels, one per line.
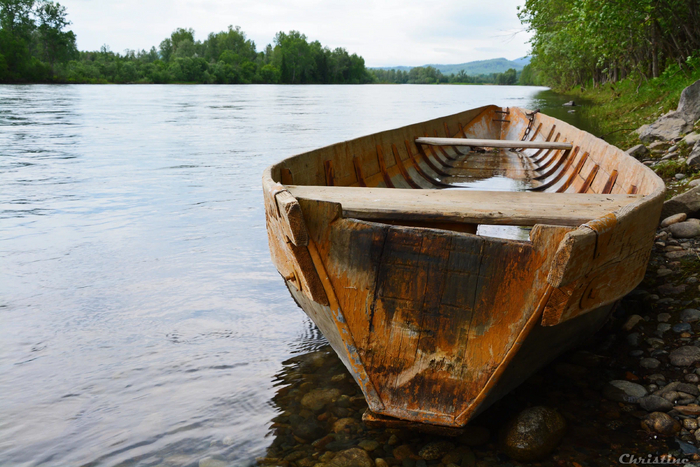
[
  {"x": 649, "y": 363},
  {"x": 654, "y": 403},
  {"x": 663, "y": 317},
  {"x": 435, "y": 450},
  {"x": 368, "y": 445},
  {"x": 631, "y": 322},
  {"x": 681, "y": 327},
  {"x": 624, "y": 391},
  {"x": 354, "y": 457},
  {"x": 685, "y": 356},
  {"x": 316, "y": 399},
  {"x": 533, "y": 434},
  {"x": 662, "y": 423},
  {"x": 685, "y": 229},
  {"x": 690, "y": 315}
]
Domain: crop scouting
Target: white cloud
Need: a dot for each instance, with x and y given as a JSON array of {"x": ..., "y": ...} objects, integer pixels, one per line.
[{"x": 406, "y": 32}]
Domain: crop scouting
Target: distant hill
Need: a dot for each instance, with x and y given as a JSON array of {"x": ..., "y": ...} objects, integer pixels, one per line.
[{"x": 479, "y": 67}]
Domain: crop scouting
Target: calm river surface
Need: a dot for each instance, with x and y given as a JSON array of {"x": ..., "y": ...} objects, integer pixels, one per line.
[{"x": 140, "y": 315}]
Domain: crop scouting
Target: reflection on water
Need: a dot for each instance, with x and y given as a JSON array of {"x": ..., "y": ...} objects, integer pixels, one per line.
[{"x": 141, "y": 321}]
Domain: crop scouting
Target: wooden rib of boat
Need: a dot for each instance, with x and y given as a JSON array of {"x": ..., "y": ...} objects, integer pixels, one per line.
[{"x": 435, "y": 317}]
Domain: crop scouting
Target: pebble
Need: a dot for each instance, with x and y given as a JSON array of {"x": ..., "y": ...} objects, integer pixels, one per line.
[
  {"x": 654, "y": 403},
  {"x": 636, "y": 353},
  {"x": 692, "y": 378},
  {"x": 677, "y": 254},
  {"x": 663, "y": 272},
  {"x": 533, "y": 434},
  {"x": 656, "y": 342},
  {"x": 346, "y": 424},
  {"x": 649, "y": 363},
  {"x": 354, "y": 457},
  {"x": 631, "y": 322},
  {"x": 663, "y": 317},
  {"x": 681, "y": 327},
  {"x": 624, "y": 391},
  {"x": 685, "y": 356},
  {"x": 690, "y": 423},
  {"x": 690, "y": 315},
  {"x": 679, "y": 176},
  {"x": 685, "y": 229},
  {"x": 662, "y": 328},
  {"x": 316, "y": 399},
  {"x": 662, "y": 423},
  {"x": 692, "y": 409},
  {"x": 393, "y": 440},
  {"x": 403, "y": 452},
  {"x": 368, "y": 445},
  {"x": 633, "y": 339},
  {"x": 435, "y": 450},
  {"x": 379, "y": 462}
]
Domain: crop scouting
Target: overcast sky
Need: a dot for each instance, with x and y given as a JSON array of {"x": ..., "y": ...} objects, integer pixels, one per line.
[{"x": 385, "y": 33}]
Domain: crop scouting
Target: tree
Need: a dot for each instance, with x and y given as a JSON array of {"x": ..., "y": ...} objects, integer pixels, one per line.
[{"x": 56, "y": 44}]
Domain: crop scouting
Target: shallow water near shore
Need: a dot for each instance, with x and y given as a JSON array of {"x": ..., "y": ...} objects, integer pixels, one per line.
[{"x": 141, "y": 320}]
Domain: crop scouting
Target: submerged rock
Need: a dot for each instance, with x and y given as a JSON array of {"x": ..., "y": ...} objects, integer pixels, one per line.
[
  {"x": 435, "y": 450},
  {"x": 624, "y": 391},
  {"x": 533, "y": 434},
  {"x": 354, "y": 457},
  {"x": 316, "y": 399},
  {"x": 662, "y": 423}
]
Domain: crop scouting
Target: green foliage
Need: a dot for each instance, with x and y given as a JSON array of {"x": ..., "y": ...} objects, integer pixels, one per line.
[
  {"x": 34, "y": 47},
  {"x": 582, "y": 42},
  {"x": 431, "y": 75}
]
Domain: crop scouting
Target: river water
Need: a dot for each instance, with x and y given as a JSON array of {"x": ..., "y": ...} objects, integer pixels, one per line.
[{"x": 141, "y": 320}]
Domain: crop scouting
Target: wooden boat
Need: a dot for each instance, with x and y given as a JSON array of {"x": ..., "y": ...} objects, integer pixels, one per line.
[{"x": 435, "y": 317}]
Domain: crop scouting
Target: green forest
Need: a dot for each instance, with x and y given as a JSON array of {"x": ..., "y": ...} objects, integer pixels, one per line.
[
  {"x": 589, "y": 42},
  {"x": 36, "y": 46}
]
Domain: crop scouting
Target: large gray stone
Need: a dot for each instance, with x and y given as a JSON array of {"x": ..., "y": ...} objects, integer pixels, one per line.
[
  {"x": 638, "y": 151},
  {"x": 685, "y": 229},
  {"x": 689, "y": 103},
  {"x": 665, "y": 128},
  {"x": 688, "y": 202}
]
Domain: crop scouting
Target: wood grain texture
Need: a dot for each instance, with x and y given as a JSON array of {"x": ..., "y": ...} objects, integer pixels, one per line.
[
  {"x": 473, "y": 207},
  {"x": 491, "y": 143}
]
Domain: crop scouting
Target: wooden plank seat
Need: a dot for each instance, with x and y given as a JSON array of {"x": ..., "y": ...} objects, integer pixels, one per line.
[
  {"x": 492, "y": 143},
  {"x": 465, "y": 206}
]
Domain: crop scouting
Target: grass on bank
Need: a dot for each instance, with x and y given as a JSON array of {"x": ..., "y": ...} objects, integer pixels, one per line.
[{"x": 623, "y": 107}]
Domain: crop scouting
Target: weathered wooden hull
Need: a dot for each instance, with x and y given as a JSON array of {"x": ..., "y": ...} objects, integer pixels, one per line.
[{"x": 434, "y": 321}]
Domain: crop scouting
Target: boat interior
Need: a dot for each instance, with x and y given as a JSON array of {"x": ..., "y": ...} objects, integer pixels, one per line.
[{"x": 477, "y": 172}]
